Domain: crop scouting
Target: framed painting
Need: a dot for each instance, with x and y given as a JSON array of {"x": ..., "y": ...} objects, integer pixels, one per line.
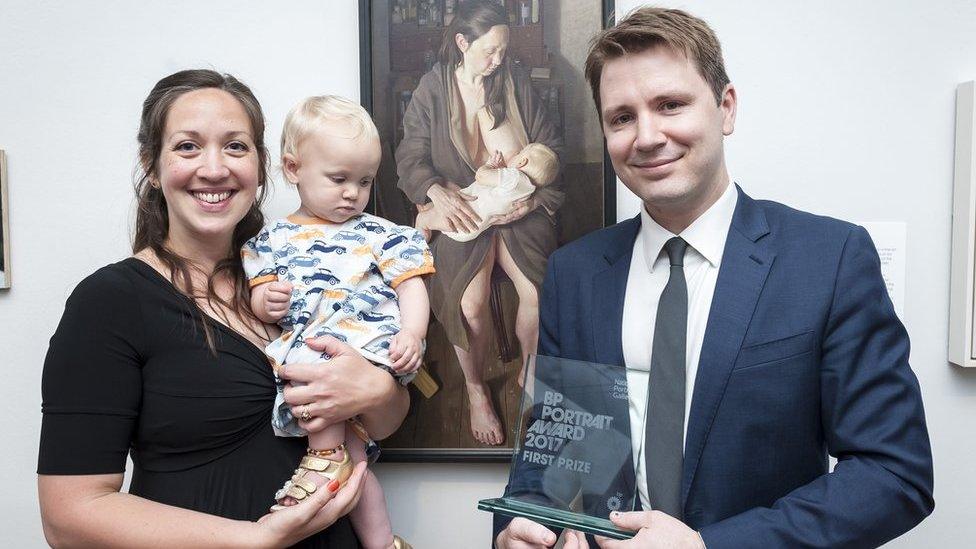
[
  {"x": 4, "y": 225},
  {"x": 490, "y": 142}
]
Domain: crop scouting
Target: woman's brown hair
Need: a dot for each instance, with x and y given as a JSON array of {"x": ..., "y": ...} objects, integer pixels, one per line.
[
  {"x": 152, "y": 219},
  {"x": 473, "y": 19}
]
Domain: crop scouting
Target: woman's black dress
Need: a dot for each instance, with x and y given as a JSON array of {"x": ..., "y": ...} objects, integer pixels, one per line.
[{"x": 129, "y": 370}]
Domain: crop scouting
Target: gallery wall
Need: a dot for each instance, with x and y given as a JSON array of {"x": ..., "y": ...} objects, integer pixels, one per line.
[{"x": 845, "y": 112}]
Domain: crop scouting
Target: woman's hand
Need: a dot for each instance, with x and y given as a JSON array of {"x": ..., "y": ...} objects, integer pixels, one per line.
[
  {"x": 520, "y": 209},
  {"x": 452, "y": 203},
  {"x": 347, "y": 386},
  {"x": 316, "y": 513},
  {"x": 429, "y": 220}
]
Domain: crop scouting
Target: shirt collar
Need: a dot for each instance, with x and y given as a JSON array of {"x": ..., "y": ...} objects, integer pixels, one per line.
[{"x": 706, "y": 235}]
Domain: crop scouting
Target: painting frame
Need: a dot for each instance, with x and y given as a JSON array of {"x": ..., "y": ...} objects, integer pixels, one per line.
[
  {"x": 369, "y": 43},
  {"x": 4, "y": 225}
]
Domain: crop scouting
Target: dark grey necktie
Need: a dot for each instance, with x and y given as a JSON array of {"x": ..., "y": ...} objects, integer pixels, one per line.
[{"x": 664, "y": 427}]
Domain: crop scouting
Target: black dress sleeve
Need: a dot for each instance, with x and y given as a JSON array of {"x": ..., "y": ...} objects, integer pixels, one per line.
[{"x": 92, "y": 382}]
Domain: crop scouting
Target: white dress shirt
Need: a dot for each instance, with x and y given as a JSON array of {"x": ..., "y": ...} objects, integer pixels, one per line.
[{"x": 649, "y": 272}]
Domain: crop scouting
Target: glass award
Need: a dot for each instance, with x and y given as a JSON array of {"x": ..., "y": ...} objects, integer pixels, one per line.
[{"x": 573, "y": 462}]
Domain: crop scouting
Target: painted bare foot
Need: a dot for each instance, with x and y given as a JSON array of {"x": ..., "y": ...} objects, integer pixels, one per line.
[
  {"x": 314, "y": 472},
  {"x": 484, "y": 422}
]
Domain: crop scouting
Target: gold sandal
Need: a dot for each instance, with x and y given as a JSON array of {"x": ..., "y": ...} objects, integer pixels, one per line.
[
  {"x": 398, "y": 543},
  {"x": 299, "y": 487}
]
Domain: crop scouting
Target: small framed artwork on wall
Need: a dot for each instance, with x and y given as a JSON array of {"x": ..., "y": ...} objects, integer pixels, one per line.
[{"x": 4, "y": 225}]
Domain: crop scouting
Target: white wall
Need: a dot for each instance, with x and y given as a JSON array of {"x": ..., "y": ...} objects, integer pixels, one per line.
[{"x": 845, "y": 110}]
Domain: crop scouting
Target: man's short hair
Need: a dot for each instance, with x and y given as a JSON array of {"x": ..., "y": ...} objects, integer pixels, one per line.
[{"x": 648, "y": 27}]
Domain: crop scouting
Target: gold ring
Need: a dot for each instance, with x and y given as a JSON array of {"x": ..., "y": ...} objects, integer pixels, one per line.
[{"x": 305, "y": 415}]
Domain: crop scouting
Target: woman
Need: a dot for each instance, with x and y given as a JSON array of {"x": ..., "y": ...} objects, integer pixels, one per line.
[
  {"x": 469, "y": 106},
  {"x": 161, "y": 354}
]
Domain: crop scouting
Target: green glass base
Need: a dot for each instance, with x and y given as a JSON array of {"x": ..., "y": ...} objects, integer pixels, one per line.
[{"x": 556, "y": 518}]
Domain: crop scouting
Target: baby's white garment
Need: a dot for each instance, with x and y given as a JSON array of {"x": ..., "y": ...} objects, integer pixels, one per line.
[{"x": 497, "y": 200}]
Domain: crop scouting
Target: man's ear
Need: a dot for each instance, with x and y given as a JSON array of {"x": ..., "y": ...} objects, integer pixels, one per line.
[
  {"x": 729, "y": 105},
  {"x": 290, "y": 166},
  {"x": 462, "y": 42}
]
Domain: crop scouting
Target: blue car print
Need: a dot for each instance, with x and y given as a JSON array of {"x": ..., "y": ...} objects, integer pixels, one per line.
[
  {"x": 266, "y": 272},
  {"x": 264, "y": 236},
  {"x": 282, "y": 226},
  {"x": 288, "y": 250},
  {"x": 321, "y": 246},
  {"x": 297, "y": 305},
  {"x": 383, "y": 292},
  {"x": 374, "y": 347},
  {"x": 399, "y": 239},
  {"x": 373, "y": 318},
  {"x": 304, "y": 261},
  {"x": 263, "y": 249},
  {"x": 304, "y": 318},
  {"x": 349, "y": 235},
  {"x": 322, "y": 274},
  {"x": 363, "y": 296},
  {"x": 389, "y": 329},
  {"x": 410, "y": 251},
  {"x": 281, "y": 270},
  {"x": 418, "y": 238},
  {"x": 340, "y": 337},
  {"x": 370, "y": 226},
  {"x": 344, "y": 306}
]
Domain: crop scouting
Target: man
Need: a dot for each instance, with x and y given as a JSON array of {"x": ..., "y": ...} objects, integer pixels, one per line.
[{"x": 769, "y": 334}]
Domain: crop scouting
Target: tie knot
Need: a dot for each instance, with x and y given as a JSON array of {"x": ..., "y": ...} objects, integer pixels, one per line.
[{"x": 676, "y": 251}]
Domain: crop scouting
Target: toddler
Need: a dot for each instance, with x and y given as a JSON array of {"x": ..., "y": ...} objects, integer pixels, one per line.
[{"x": 330, "y": 269}]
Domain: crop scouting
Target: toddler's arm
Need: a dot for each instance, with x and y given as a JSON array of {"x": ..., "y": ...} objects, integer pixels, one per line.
[
  {"x": 406, "y": 348},
  {"x": 270, "y": 301}
]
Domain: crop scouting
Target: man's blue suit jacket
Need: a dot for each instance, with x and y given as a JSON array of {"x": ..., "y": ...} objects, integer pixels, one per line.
[{"x": 803, "y": 356}]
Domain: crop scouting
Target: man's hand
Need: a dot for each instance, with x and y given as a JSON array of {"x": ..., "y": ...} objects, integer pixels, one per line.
[
  {"x": 522, "y": 533},
  {"x": 654, "y": 530}
]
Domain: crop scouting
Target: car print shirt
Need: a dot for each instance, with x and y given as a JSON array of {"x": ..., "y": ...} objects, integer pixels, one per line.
[{"x": 343, "y": 276}]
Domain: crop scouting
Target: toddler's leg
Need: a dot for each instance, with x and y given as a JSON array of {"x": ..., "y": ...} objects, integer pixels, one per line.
[
  {"x": 369, "y": 518},
  {"x": 329, "y": 438}
]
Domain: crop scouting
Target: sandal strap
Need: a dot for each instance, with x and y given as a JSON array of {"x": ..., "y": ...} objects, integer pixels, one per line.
[
  {"x": 296, "y": 492},
  {"x": 304, "y": 484},
  {"x": 300, "y": 487}
]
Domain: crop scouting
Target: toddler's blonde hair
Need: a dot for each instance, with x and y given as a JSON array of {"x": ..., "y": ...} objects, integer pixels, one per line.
[{"x": 316, "y": 112}]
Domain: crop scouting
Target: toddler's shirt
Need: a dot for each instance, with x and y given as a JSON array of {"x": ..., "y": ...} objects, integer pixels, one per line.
[{"x": 343, "y": 277}]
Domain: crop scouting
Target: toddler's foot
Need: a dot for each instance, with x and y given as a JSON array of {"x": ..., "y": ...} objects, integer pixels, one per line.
[
  {"x": 329, "y": 468},
  {"x": 484, "y": 422}
]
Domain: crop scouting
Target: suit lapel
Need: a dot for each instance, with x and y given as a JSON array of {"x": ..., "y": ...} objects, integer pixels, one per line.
[
  {"x": 608, "y": 289},
  {"x": 745, "y": 264}
]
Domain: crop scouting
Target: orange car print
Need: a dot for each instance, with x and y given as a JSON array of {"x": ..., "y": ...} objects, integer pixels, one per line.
[
  {"x": 309, "y": 234},
  {"x": 350, "y": 324}
]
